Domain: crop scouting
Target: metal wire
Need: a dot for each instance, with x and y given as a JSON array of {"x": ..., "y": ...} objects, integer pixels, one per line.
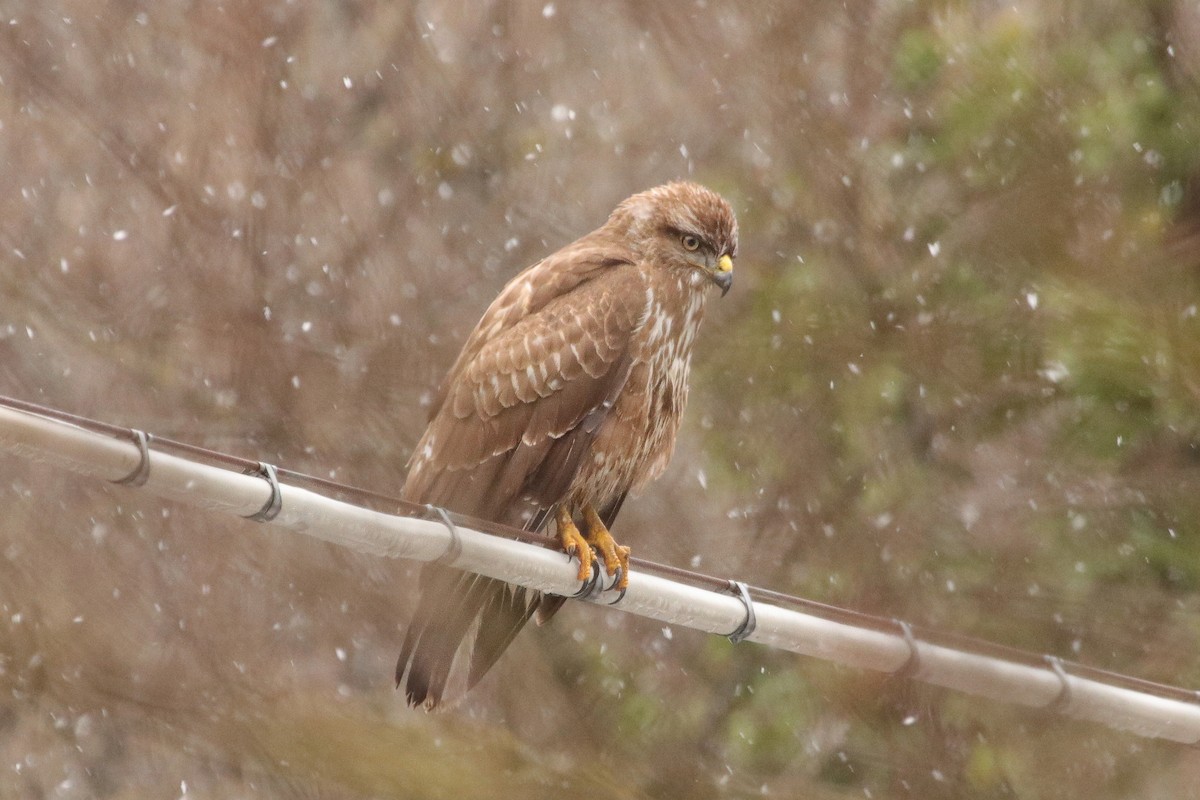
[{"x": 1060, "y": 668}]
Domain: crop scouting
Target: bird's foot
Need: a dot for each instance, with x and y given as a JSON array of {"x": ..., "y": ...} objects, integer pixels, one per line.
[
  {"x": 573, "y": 543},
  {"x": 615, "y": 556}
]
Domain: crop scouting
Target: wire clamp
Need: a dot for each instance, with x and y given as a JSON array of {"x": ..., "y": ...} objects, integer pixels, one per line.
[
  {"x": 913, "y": 663},
  {"x": 592, "y": 586},
  {"x": 270, "y": 510},
  {"x": 454, "y": 550},
  {"x": 748, "y": 625},
  {"x": 1063, "y": 699},
  {"x": 141, "y": 473}
]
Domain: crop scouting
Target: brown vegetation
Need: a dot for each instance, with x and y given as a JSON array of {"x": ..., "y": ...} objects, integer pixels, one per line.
[{"x": 957, "y": 381}]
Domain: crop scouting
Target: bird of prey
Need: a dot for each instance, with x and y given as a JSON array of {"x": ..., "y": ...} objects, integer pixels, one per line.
[{"x": 567, "y": 395}]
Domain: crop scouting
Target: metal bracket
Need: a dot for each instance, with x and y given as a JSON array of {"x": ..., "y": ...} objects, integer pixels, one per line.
[
  {"x": 1064, "y": 695},
  {"x": 454, "y": 550},
  {"x": 913, "y": 663},
  {"x": 272, "y": 507},
  {"x": 141, "y": 472},
  {"x": 750, "y": 622}
]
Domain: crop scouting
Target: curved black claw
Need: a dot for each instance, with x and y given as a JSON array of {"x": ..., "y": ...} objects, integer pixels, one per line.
[
  {"x": 616, "y": 579},
  {"x": 620, "y": 596},
  {"x": 592, "y": 586}
]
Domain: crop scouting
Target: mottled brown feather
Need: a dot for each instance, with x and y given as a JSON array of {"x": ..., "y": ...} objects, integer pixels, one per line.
[{"x": 569, "y": 390}]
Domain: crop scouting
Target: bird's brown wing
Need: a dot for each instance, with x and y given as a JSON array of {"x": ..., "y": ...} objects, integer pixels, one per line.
[
  {"x": 516, "y": 416},
  {"x": 532, "y": 290}
]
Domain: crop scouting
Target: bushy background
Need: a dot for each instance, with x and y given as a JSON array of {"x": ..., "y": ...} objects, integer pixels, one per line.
[{"x": 957, "y": 382}]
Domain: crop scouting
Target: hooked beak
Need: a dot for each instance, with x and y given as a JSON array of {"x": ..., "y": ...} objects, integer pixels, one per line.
[{"x": 722, "y": 276}]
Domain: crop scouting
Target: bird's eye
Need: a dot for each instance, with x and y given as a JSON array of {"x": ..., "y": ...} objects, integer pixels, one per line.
[{"x": 690, "y": 243}]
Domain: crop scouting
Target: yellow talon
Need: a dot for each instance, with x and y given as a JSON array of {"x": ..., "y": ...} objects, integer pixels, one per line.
[
  {"x": 616, "y": 556},
  {"x": 573, "y": 543}
]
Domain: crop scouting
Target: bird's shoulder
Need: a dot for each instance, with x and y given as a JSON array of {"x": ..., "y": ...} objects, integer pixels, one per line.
[
  {"x": 568, "y": 314},
  {"x": 584, "y": 261}
]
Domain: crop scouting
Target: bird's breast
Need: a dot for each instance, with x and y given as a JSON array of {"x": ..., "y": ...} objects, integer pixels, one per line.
[{"x": 635, "y": 443}]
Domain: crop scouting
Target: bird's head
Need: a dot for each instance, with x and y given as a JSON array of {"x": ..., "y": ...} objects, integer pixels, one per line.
[{"x": 684, "y": 226}]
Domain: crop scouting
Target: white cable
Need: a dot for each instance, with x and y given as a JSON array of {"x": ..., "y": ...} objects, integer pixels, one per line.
[{"x": 303, "y": 511}]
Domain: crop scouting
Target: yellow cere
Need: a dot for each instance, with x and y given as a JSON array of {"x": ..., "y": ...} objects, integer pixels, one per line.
[{"x": 725, "y": 264}]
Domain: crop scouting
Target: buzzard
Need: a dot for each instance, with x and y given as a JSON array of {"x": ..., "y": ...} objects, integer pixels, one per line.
[{"x": 567, "y": 395}]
